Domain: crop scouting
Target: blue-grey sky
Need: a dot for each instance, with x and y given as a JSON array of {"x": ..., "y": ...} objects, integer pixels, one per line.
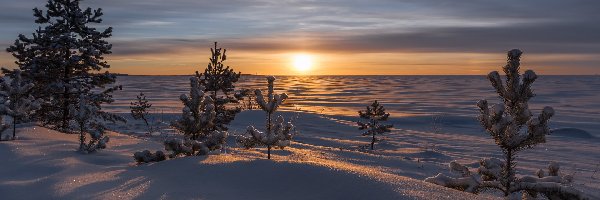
[{"x": 343, "y": 36}]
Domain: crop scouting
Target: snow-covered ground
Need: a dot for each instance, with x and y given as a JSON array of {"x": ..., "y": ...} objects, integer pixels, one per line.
[
  {"x": 434, "y": 124},
  {"x": 422, "y": 146},
  {"x": 43, "y": 164}
]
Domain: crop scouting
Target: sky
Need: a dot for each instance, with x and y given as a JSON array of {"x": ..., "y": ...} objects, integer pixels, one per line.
[{"x": 342, "y": 37}]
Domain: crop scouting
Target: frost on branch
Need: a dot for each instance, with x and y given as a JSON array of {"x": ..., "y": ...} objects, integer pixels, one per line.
[
  {"x": 374, "y": 114},
  {"x": 17, "y": 100},
  {"x": 147, "y": 156},
  {"x": 197, "y": 124},
  {"x": 278, "y": 134},
  {"x": 513, "y": 128},
  {"x": 139, "y": 109},
  {"x": 552, "y": 185}
]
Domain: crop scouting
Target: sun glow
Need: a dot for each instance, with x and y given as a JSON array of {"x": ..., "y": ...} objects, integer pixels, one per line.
[{"x": 303, "y": 62}]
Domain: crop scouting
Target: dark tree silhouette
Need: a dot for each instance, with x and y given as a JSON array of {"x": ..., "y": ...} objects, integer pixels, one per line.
[
  {"x": 139, "y": 109},
  {"x": 375, "y": 114}
]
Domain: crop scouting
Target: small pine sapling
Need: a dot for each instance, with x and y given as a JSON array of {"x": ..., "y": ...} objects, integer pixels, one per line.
[
  {"x": 278, "y": 134},
  {"x": 375, "y": 114},
  {"x": 504, "y": 122},
  {"x": 18, "y": 102},
  {"x": 87, "y": 120},
  {"x": 139, "y": 109},
  {"x": 218, "y": 81}
]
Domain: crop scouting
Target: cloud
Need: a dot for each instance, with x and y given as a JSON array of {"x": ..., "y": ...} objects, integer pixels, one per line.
[{"x": 346, "y": 26}]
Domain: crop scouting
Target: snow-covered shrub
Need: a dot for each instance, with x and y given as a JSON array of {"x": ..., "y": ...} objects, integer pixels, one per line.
[
  {"x": 88, "y": 118},
  {"x": 218, "y": 82},
  {"x": 504, "y": 122},
  {"x": 375, "y": 114},
  {"x": 147, "y": 156},
  {"x": 17, "y": 101},
  {"x": 190, "y": 147},
  {"x": 197, "y": 124},
  {"x": 552, "y": 185},
  {"x": 64, "y": 53},
  {"x": 139, "y": 109},
  {"x": 278, "y": 134}
]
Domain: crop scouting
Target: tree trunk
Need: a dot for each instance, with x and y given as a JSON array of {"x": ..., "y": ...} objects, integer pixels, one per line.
[
  {"x": 65, "y": 106},
  {"x": 508, "y": 172},
  {"x": 81, "y": 138},
  {"x": 373, "y": 141},
  {"x": 269, "y": 135},
  {"x": 14, "y": 127}
]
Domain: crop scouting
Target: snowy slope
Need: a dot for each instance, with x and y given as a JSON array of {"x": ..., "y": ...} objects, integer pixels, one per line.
[{"x": 43, "y": 164}]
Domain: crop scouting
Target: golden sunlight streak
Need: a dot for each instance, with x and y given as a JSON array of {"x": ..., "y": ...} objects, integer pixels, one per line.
[{"x": 303, "y": 62}]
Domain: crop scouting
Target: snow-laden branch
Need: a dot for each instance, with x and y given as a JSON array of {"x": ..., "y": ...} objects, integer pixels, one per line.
[
  {"x": 190, "y": 147},
  {"x": 272, "y": 101},
  {"x": 147, "y": 156},
  {"x": 281, "y": 135}
]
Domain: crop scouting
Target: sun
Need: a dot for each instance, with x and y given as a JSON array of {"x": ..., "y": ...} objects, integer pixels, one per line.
[{"x": 302, "y": 62}]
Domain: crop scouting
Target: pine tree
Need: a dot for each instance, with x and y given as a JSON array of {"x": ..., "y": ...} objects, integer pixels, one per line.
[
  {"x": 504, "y": 121},
  {"x": 139, "y": 109},
  {"x": 197, "y": 124},
  {"x": 18, "y": 102},
  {"x": 375, "y": 114},
  {"x": 64, "y": 53},
  {"x": 218, "y": 82},
  {"x": 278, "y": 134}
]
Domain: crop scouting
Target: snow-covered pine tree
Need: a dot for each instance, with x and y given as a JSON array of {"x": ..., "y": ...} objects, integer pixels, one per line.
[
  {"x": 197, "y": 123},
  {"x": 139, "y": 109},
  {"x": 375, "y": 114},
  {"x": 65, "y": 48},
  {"x": 504, "y": 122},
  {"x": 218, "y": 82},
  {"x": 278, "y": 134},
  {"x": 18, "y": 102}
]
